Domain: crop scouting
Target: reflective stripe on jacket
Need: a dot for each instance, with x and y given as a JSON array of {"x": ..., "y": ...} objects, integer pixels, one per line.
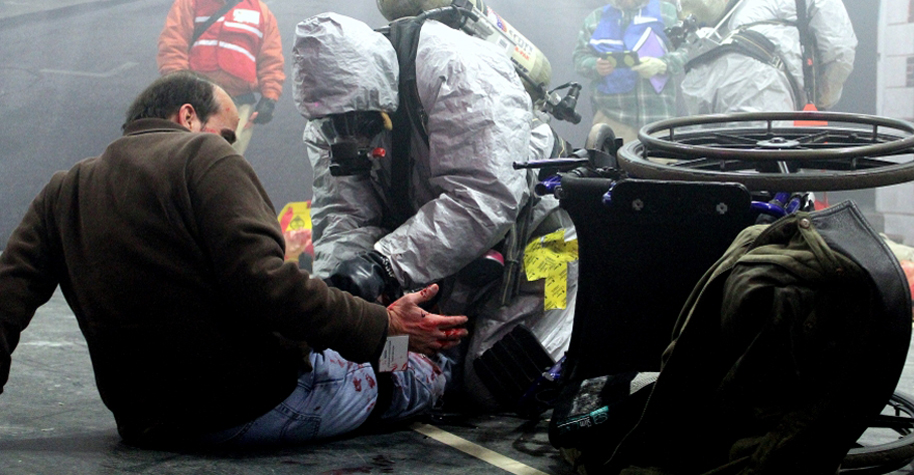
[
  {"x": 232, "y": 42},
  {"x": 612, "y": 36}
]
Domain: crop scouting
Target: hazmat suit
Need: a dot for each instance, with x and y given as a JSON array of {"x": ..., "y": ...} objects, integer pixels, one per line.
[
  {"x": 737, "y": 82},
  {"x": 463, "y": 197}
]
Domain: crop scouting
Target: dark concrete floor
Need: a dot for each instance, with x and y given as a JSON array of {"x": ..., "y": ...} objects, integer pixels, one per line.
[{"x": 52, "y": 421}]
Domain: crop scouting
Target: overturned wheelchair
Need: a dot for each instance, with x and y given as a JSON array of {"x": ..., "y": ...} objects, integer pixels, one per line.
[{"x": 777, "y": 346}]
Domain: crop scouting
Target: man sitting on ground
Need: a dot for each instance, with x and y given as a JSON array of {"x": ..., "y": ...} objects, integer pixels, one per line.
[{"x": 170, "y": 255}]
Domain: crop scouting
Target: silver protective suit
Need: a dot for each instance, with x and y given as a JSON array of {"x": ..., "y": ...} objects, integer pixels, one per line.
[
  {"x": 463, "y": 188},
  {"x": 738, "y": 83}
]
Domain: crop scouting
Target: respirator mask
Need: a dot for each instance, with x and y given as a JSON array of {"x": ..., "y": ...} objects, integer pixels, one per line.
[{"x": 351, "y": 135}]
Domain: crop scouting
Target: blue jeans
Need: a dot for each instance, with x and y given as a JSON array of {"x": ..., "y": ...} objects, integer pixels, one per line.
[{"x": 336, "y": 397}]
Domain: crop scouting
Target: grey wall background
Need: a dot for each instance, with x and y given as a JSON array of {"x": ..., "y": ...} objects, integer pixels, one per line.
[
  {"x": 68, "y": 74},
  {"x": 860, "y": 89}
]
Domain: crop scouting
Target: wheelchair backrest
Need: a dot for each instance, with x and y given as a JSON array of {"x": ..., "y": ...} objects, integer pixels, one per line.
[{"x": 640, "y": 256}]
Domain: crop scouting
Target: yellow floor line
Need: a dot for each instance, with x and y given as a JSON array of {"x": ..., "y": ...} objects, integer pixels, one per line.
[{"x": 478, "y": 451}]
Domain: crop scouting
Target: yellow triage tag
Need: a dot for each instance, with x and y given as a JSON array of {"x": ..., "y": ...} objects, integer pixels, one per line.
[
  {"x": 547, "y": 258},
  {"x": 293, "y": 218},
  {"x": 295, "y": 215}
]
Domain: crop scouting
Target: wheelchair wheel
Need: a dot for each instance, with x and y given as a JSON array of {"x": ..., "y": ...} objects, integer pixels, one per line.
[
  {"x": 888, "y": 444},
  {"x": 764, "y": 152}
]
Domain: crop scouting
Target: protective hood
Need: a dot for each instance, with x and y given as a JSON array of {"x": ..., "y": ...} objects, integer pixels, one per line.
[
  {"x": 339, "y": 64},
  {"x": 707, "y": 12}
]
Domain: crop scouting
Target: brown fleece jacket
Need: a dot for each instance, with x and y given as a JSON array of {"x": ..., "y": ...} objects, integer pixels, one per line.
[{"x": 169, "y": 252}]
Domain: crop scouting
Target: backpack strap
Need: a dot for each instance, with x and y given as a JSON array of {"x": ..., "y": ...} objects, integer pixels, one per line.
[
  {"x": 747, "y": 42},
  {"x": 404, "y": 36},
  {"x": 807, "y": 51},
  {"x": 202, "y": 27}
]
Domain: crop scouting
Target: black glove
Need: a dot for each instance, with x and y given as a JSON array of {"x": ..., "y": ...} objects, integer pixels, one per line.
[
  {"x": 264, "y": 110},
  {"x": 367, "y": 275}
]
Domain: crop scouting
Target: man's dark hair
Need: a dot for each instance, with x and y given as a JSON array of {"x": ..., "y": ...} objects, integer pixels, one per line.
[{"x": 166, "y": 95}]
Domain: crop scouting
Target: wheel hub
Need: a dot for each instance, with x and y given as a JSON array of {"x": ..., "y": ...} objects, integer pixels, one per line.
[{"x": 778, "y": 143}]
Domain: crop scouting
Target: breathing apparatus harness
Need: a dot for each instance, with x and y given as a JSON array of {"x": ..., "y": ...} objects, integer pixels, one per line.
[
  {"x": 743, "y": 40},
  {"x": 403, "y": 34},
  {"x": 410, "y": 115},
  {"x": 349, "y": 134},
  {"x": 807, "y": 51}
]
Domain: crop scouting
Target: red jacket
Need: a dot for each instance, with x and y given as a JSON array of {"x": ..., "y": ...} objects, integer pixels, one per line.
[{"x": 242, "y": 52}]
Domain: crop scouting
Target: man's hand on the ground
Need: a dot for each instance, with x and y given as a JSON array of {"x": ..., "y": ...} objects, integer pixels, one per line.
[{"x": 428, "y": 332}]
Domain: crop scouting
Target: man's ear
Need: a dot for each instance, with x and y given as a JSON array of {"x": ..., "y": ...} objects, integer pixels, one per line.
[{"x": 187, "y": 117}]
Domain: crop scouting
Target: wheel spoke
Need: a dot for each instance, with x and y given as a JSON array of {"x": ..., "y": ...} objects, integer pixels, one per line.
[
  {"x": 709, "y": 164},
  {"x": 813, "y": 138},
  {"x": 715, "y": 164},
  {"x": 728, "y": 139},
  {"x": 900, "y": 424},
  {"x": 823, "y": 146}
]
